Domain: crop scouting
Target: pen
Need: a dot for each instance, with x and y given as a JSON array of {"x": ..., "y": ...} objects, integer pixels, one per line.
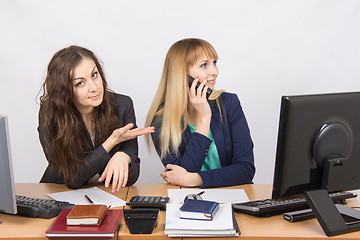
[
  {"x": 201, "y": 192},
  {"x": 89, "y": 199}
]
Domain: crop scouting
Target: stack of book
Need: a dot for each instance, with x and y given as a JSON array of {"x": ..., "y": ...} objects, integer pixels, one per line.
[
  {"x": 220, "y": 223},
  {"x": 86, "y": 221}
]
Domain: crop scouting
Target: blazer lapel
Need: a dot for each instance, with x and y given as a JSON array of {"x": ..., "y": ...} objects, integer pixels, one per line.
[{"x": 217, "y": 131}]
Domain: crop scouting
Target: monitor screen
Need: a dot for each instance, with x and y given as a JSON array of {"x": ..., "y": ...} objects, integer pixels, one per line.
[
  {"x": 7, "y": 193},
  {"x": 318, "y": 144}
]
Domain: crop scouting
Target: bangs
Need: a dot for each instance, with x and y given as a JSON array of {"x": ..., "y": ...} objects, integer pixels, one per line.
[
  {"x": 210, "y": 51},
  {"x": 201, "y": 50}
]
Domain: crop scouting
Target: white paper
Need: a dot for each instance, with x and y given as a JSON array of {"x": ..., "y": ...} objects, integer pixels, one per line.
[
  {"x": 217, "y": 195},
  {"x": 97, "y": 195},
  {"x": 222, "y": 220},
  {"x": 225, "y": 233}
]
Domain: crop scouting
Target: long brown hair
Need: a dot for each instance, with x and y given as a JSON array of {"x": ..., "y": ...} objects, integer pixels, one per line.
[
  {"x": 66, "y": 133},
  {"x": 171, "y": 99}
]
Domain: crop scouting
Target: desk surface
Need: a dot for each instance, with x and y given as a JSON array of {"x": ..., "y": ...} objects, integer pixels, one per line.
[{"x": 17, "y": 227}]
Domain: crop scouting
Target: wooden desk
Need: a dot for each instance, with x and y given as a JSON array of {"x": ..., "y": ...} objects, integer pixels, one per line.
[{"x": 17, "y": 227}]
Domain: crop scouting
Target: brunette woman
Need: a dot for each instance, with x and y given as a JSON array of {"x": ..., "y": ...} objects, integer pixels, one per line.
[{"x": 87, "y": 131}]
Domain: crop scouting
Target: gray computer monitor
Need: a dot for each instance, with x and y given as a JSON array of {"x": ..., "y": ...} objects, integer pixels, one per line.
[{"x": 7, "y": 192}]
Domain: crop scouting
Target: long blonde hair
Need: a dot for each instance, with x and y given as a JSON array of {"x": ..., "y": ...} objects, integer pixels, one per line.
[{"x": 171, "y": 99}]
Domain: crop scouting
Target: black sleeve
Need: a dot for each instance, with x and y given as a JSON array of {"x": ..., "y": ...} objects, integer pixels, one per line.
[{"x": 126, "y": 113}]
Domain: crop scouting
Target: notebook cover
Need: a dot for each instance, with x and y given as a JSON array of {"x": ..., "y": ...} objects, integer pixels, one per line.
[
  {"x": 81, "y": 214},
  {"x": 199, "y": 209},
  {"x": 58, "y": 228}
]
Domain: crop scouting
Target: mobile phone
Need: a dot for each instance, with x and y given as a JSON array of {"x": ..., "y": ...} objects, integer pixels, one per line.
[{"x": 191, "y": 79}]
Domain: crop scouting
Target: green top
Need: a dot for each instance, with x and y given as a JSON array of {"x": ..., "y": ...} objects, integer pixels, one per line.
[{"x": 212, "y": 160}]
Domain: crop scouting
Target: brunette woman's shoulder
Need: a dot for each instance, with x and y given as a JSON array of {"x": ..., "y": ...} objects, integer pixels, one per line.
[{"x": 121, "y": 99}]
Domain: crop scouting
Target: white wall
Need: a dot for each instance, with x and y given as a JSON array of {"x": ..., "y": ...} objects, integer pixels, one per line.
[{"x": 267, "y": 48}]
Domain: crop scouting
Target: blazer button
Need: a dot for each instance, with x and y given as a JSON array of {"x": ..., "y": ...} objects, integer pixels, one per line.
[{"x": 207, "y": 150}]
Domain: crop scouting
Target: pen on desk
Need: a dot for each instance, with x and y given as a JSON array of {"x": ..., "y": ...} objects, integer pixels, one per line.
[{"x": 89, "y": 199}]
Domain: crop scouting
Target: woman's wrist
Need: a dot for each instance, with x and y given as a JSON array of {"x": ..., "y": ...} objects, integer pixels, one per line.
[
  {"x": 124, "y": 156},
  {"x": 195, "y": 180},
  {"x": 109, "y": 144},
  {"x": 203, "y": 126}
]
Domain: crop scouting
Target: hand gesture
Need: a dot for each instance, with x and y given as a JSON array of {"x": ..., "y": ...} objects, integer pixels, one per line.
[
  {"x": 177, "y": 175},
  {"x": 124, "y": 134},
  {"x": 117, "y": 169}
]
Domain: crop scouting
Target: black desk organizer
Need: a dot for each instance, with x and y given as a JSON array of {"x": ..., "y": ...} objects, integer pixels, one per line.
[
  {"x": 141, "y": 220},
  {"x": 331, "y": 217}
]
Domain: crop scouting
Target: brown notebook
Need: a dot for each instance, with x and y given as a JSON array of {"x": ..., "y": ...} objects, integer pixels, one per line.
[{"x": 86, "y": 215}]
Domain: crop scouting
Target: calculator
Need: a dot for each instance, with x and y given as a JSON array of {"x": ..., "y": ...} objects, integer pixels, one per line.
[{"x": 148, "y": 202}]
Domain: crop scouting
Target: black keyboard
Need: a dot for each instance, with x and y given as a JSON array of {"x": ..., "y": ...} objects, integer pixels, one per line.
[
  {"x": 41, "y": 208},
  {"x": 148, "y": 202},
  {"x": 269, "y": 207}
]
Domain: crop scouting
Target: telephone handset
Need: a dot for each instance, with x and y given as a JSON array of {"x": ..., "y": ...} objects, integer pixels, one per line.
[{"x": 191, "y": 79}]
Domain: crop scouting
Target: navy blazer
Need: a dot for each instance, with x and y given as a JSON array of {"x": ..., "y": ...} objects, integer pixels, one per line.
[
  {"x": 98, "y": 158},
  {"x": 233, "y": 141}
]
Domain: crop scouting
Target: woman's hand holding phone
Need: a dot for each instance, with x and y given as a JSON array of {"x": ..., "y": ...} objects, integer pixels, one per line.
[
  {"x": 191, "y": 80},
  {"x": 197, "y": 98}
]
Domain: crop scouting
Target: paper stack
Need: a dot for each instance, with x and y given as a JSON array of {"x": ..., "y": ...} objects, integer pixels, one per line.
[{"x": 223, "y": 224}]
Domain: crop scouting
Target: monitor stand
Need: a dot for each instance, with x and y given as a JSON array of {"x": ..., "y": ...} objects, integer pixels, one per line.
[{"x": 330, "y": 216}]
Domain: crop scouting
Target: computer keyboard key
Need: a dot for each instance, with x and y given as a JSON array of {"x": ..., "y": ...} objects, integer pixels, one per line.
[{"x": 41, "y": 208}]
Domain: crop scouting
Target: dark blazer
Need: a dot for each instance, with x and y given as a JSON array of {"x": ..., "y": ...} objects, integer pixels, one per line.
[
  {"x": 233, "y": 142},
  {"x": 98, "y": 158}
]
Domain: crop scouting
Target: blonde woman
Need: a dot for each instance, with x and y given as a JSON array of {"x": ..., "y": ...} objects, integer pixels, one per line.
[{"x": 201, "y": 142}]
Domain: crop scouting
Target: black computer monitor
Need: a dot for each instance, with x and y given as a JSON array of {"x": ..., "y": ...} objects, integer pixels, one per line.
[
  {"x": 7, "y": 193},
  {"x": 318, "y": 145}
]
